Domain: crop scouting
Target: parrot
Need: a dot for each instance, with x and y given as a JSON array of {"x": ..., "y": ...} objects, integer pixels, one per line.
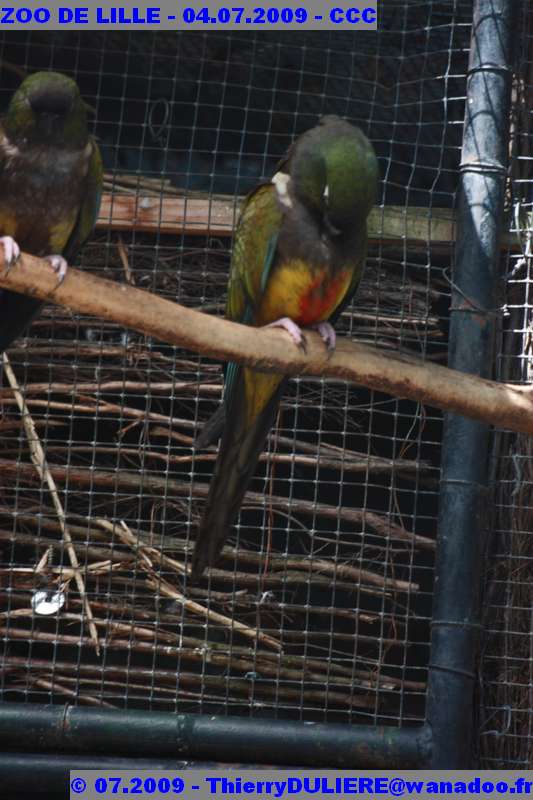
[
  {"x": 50, "y": 185},
  {"x": 298, "y": 255}
]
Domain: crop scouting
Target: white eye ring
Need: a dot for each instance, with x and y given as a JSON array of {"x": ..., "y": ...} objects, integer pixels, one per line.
[{"x": 281, "y": 181}]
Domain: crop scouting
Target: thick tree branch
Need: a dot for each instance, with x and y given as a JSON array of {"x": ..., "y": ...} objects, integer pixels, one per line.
[{"x": 503, "y": 405}]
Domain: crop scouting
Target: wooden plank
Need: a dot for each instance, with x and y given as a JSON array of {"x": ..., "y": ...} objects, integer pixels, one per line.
[
  {"x": 152, "y": 214},
  {"x": 416, "y": 225},
  {"x": 216, "y": 216}
]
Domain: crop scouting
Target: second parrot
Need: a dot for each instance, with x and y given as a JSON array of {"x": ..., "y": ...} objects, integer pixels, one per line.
[
  {"x": 298, "y": 256},
  {"x": 50, "y": 184}
]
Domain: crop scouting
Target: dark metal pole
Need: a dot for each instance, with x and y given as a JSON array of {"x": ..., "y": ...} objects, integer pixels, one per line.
[
  {"x": 456, "y": 617},
  {"x": 30, "y": 775},
  {"x": 160, "y": 735}
]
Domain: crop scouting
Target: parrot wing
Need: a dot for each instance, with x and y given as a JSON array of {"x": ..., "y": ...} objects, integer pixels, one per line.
[
  {"x": 251, "y": 398},
  {"x": 90, "y": 206},
  {"x": 254, "y": 251},
  {"x": 354, "y": 283}
]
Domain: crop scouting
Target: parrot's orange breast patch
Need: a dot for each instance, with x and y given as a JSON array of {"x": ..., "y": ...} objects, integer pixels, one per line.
[
  {"x": 304, "y": 294},
  {"x": 322, "y": 297}
]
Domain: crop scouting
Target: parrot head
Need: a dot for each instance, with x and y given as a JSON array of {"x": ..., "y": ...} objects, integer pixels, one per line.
[
  {"x": 333, "y": 171},
  {"x": 47, "y": 108}
]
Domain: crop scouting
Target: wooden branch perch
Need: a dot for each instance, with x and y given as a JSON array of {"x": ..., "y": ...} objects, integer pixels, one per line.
[{"x": 504, "y": 405}]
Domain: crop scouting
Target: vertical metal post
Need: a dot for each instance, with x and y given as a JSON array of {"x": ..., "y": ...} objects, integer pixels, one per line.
[{"x": 456, "y": 618}]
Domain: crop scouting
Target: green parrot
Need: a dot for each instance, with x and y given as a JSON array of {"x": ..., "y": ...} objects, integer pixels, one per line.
[
  {"x": 50, "y": 184},
  {"x": 298, "y": 255}
]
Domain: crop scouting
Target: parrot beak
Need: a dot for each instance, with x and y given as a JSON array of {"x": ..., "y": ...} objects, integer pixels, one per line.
[
  {"x": 331, "y": 229},
  {"x": 48, "y": 124}
]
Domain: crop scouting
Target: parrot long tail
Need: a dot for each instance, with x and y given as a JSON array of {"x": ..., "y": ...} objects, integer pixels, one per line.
[
  {"x": 16, "y": 313},
  {"x": 212, "y": 429},
  {"x": 250, "y": 414}
]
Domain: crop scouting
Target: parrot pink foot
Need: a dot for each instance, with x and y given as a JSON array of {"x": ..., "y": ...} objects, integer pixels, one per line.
[
  {"x": 11, "y": 250},
  {"x": 294, "y": 331},
  {"x": 59, "y": 265},
  {"x": 327, "y": 334}
]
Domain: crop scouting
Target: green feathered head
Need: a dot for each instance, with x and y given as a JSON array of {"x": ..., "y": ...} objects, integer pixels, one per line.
[
  {"x": 47, "y": 108},
  {"x": 334, "y": 172}
]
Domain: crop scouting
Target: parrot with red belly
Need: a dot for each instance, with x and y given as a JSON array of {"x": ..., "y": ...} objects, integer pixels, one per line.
[
  {"x": 298, "y": 256},
  {"x": 50, "y": 184}
]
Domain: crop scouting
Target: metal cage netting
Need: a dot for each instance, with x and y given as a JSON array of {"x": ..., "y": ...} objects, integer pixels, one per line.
[{"x": 320, "y": 606}]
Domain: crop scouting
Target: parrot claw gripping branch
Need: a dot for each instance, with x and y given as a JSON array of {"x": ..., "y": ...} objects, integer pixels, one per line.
[{"x": 311, "y": 619}]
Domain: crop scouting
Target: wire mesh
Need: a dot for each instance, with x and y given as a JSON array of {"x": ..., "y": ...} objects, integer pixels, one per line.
[
  {"x": 320, "y": 607},
  {"x": 506, "y": 669}
]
